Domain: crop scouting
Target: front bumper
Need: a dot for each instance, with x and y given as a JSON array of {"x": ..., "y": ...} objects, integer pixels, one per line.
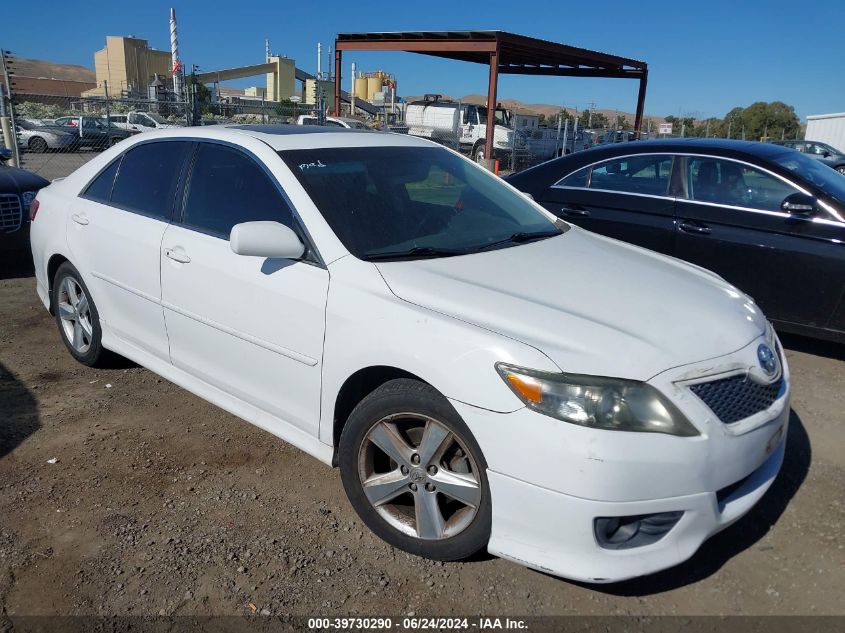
[{"x": 550, "y": 480}]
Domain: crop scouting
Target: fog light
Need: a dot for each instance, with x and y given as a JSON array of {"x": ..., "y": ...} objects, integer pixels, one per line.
[{"x": 634, "y": 531}]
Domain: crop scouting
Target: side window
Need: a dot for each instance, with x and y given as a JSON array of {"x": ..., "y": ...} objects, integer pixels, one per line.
[
  {"x": 100, "y": 188},
  {"x": 148, "y": 176},
  {"x": 226, "y": 188},
  {"x": 333, "y": 124},
  {"x": 634, "y": 174},
  {"x": 735, "y": 184},
  {"x": 579, "y": 179}
]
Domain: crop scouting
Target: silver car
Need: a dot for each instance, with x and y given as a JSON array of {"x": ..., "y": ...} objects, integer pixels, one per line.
[{"x": 40, "y": 138}]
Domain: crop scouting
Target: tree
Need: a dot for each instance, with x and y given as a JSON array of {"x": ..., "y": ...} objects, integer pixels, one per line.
[{"x": 761, "y": 119}]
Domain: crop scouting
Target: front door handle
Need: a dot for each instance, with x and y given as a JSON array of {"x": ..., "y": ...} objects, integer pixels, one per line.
[
  {"x": 177, "y": 255},
  {"x": 574, "y": 210},
  {"x": 80, "y": 218},
  {"x": 689, "y": 226}
]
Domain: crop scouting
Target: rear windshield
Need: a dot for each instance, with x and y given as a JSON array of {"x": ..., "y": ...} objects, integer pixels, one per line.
[{"x": 407, "y": 200}]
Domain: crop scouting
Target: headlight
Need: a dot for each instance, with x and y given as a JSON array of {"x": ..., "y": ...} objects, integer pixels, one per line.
[
  {"x": 28, "y": 197},
  {"x": 597, "y": 402}
]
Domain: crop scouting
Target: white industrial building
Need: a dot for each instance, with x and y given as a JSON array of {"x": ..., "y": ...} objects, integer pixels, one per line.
[{"x": 827, "y": 128}]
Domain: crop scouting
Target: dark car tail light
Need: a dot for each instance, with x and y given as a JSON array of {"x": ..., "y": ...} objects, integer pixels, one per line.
[{"x": 33, "y": 209}]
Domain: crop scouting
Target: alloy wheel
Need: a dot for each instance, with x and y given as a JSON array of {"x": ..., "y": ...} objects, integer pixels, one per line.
[
  {"x": 75, "y": 314},
  {"x": 419, "y": 476}
]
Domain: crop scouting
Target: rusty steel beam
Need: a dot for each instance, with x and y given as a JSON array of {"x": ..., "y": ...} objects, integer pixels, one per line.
[
  {"x": 416, "y": 46},
  {"x": 492, "y": 86},
  {"x": 338, "y": 59},
  {"x": 638, "y": 119},
  {"x": 571, "y": 72}
]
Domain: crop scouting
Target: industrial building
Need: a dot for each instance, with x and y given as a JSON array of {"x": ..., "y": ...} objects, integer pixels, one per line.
[
  {"x": 41, "y": 79},
  {"x": 129, "y": 66},
  {"x": 827, "y": 128}
]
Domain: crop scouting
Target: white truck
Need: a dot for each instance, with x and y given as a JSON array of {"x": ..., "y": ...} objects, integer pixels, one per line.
[{"x": 449, "y": 122}]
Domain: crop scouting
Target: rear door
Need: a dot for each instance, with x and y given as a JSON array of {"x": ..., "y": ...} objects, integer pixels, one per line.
[
  {"x": 630, "y": 198},
  {"x": 114, "y": 233},
  {"x": 731, "y": 222}
]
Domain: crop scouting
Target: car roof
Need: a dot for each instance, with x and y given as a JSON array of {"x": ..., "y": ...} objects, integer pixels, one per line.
[{"x": 285, "y": 137}]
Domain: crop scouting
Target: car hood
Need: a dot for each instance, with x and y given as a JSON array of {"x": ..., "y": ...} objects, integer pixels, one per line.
[
  {"x": 14, "y": 180},
  {"x": 591, "y": 304}
]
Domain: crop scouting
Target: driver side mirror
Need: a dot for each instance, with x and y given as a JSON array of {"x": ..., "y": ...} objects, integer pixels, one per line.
[
  {"x": 800, "y": 204},
  {"x": 265, "y": 239}
]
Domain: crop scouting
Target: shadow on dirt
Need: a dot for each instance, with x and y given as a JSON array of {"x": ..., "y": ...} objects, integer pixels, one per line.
[
  {"x": 18, "y": 412},
  {"x": 741, "y": 535}
]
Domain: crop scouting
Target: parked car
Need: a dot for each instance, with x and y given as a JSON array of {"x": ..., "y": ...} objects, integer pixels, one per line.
[
  {"x": 332, "y": 121},
  {"x": 483, "y": 373},
  {"x": 5, "y": 155},
  {"x": 40, "y": 138},
  {"x": 767, "y": 219},
  {"x": 822, "y": 152},
  {"x": 18, "y": 189},
  {"x": 136, "y": 122},
  {"x": 93, "y": 132}
]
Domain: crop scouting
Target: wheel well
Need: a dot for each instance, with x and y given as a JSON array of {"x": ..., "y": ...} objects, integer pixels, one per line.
[
  {"x": 52, "y": 267},
  {"x": 357, "y": 387}
]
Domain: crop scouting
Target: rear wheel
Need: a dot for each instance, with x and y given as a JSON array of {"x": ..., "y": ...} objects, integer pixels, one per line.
[
  {"x": 414, "y": 473},
  {"x": 37, "y": 144},
  {"x": 77, "y": 316}
]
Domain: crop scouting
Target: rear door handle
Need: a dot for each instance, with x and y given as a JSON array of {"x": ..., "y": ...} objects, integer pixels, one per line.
[
  {"x": 574, "y": 210},
  {"x": 177, "y": 255},
  {"x": 689, "y": 226},
  {"x": 80, "y": 218}
]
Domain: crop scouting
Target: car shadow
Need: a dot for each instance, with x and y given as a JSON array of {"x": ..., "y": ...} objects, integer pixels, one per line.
[
  {"x": 817, "y": 347},
  {"x": 720, "y": 548},
  {"x": 18, "y": 411}
]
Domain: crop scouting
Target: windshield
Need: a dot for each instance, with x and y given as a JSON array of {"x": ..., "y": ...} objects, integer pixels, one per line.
[
  {"x": 154, "y": 117},
  {"x": 409, "y": 202},
  {"x": 822, "y": 176}
]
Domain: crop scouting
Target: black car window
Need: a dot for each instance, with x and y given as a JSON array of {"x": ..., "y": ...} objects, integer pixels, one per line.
[
  {"x": 647, "y": 174},
  {"x": 579, "y": 178},
  {"x": 228, "y": 187},
  {"x": 735, "y": 184},
  {"x": 147, "y": 178},
  {"x": 100, "y": 188}
]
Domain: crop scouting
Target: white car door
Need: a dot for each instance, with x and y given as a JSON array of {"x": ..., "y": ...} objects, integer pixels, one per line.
[
  {"x": 114, "y": 234},
  {"x": 251, "y": 326}
]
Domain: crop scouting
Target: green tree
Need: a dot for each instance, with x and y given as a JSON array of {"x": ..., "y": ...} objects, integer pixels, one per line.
[{"x": 761, "y": 120}]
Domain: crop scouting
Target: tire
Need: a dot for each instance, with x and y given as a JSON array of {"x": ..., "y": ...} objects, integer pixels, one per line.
[
  {"x": 37, "y": 145},
  {"x": 841, "y": 169},
  {"x": 478, "y": 152},
  {"x": 78, "y": 326},
  {"x": 401, "y": 493}
]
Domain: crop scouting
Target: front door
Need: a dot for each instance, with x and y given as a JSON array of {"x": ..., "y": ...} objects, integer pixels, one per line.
[
  {"x": 731, "y": 222},
  {"x": 251, "y": 326}
]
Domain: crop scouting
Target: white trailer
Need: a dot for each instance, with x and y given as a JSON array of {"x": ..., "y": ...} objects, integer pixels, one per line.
[{"x": 827, "y": 128}]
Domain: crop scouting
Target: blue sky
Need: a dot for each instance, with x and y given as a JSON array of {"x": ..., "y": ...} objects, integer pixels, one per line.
[{"x": 704, "y": 57}]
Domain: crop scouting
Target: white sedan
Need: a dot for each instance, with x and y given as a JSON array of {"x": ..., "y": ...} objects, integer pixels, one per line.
[{"x": 483, "y": 374}]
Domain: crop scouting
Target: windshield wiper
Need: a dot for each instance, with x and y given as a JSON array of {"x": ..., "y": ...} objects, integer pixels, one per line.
[
  {"x": 520, "y": 238},
  {"x": 418, "y": 252}
]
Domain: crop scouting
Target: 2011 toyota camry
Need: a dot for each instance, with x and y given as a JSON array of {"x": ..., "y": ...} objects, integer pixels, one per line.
[{"x": 483, "y": 374}]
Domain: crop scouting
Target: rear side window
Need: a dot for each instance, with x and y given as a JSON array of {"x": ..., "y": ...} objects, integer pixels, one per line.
[
  {"x": 228, "y": 187},
  {"x": 577, "y": 179},
  {"x": 634, "y": 174},
  {"x": 147, "y": 179},
  {"x": 100, "y": 188}
]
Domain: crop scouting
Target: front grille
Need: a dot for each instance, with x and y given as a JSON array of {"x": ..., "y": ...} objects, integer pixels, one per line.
[
  {"x": 736, "y": 398},
  {"x": 11, "y": 213}
]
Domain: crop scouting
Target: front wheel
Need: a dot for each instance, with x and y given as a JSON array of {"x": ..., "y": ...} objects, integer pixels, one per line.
[
  {"x": 841, "y": 169},
  {"x": 414, "y": 473},
  {"x": 478, "y": 154},
  {"x": 37, "y": 145},
  {"x": 77, "y": 316}
]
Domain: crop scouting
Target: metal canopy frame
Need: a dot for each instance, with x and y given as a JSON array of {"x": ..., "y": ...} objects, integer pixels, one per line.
[{"x": 505, "y": 53}]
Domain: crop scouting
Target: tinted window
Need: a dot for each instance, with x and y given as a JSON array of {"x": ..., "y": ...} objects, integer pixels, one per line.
[
  {"x": 735, "y": 184},
  {"x": 389, "y": 202},
  {"x": 227, "y": 187},
  {"x": 578, "y": 179},
  {"x": 147, "y": 179},
  {"x": 634, "y": 174},
  {"x": 100, "y": 188}
]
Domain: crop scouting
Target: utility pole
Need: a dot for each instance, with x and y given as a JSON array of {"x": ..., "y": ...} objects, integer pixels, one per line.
[
  {"x": 108, "y": 111},
  {"x": 11, "y": 134},
  {"x": 591, "y": 106}
]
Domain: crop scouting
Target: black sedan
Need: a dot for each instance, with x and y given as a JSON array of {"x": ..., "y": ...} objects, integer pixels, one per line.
[
  {"x": 768, "y": 219},
  {"x": 18, "y": 188}
]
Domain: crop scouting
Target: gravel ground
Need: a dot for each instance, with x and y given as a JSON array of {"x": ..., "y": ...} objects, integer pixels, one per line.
[{"x": 160, "y": 503}]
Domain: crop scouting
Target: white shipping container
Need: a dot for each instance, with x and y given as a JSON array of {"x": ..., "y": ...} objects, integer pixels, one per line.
[{"x": 827, "y": 128}]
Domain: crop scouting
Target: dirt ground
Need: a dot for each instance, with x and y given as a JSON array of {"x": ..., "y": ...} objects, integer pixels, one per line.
[{"x": 159, "y": 503}]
